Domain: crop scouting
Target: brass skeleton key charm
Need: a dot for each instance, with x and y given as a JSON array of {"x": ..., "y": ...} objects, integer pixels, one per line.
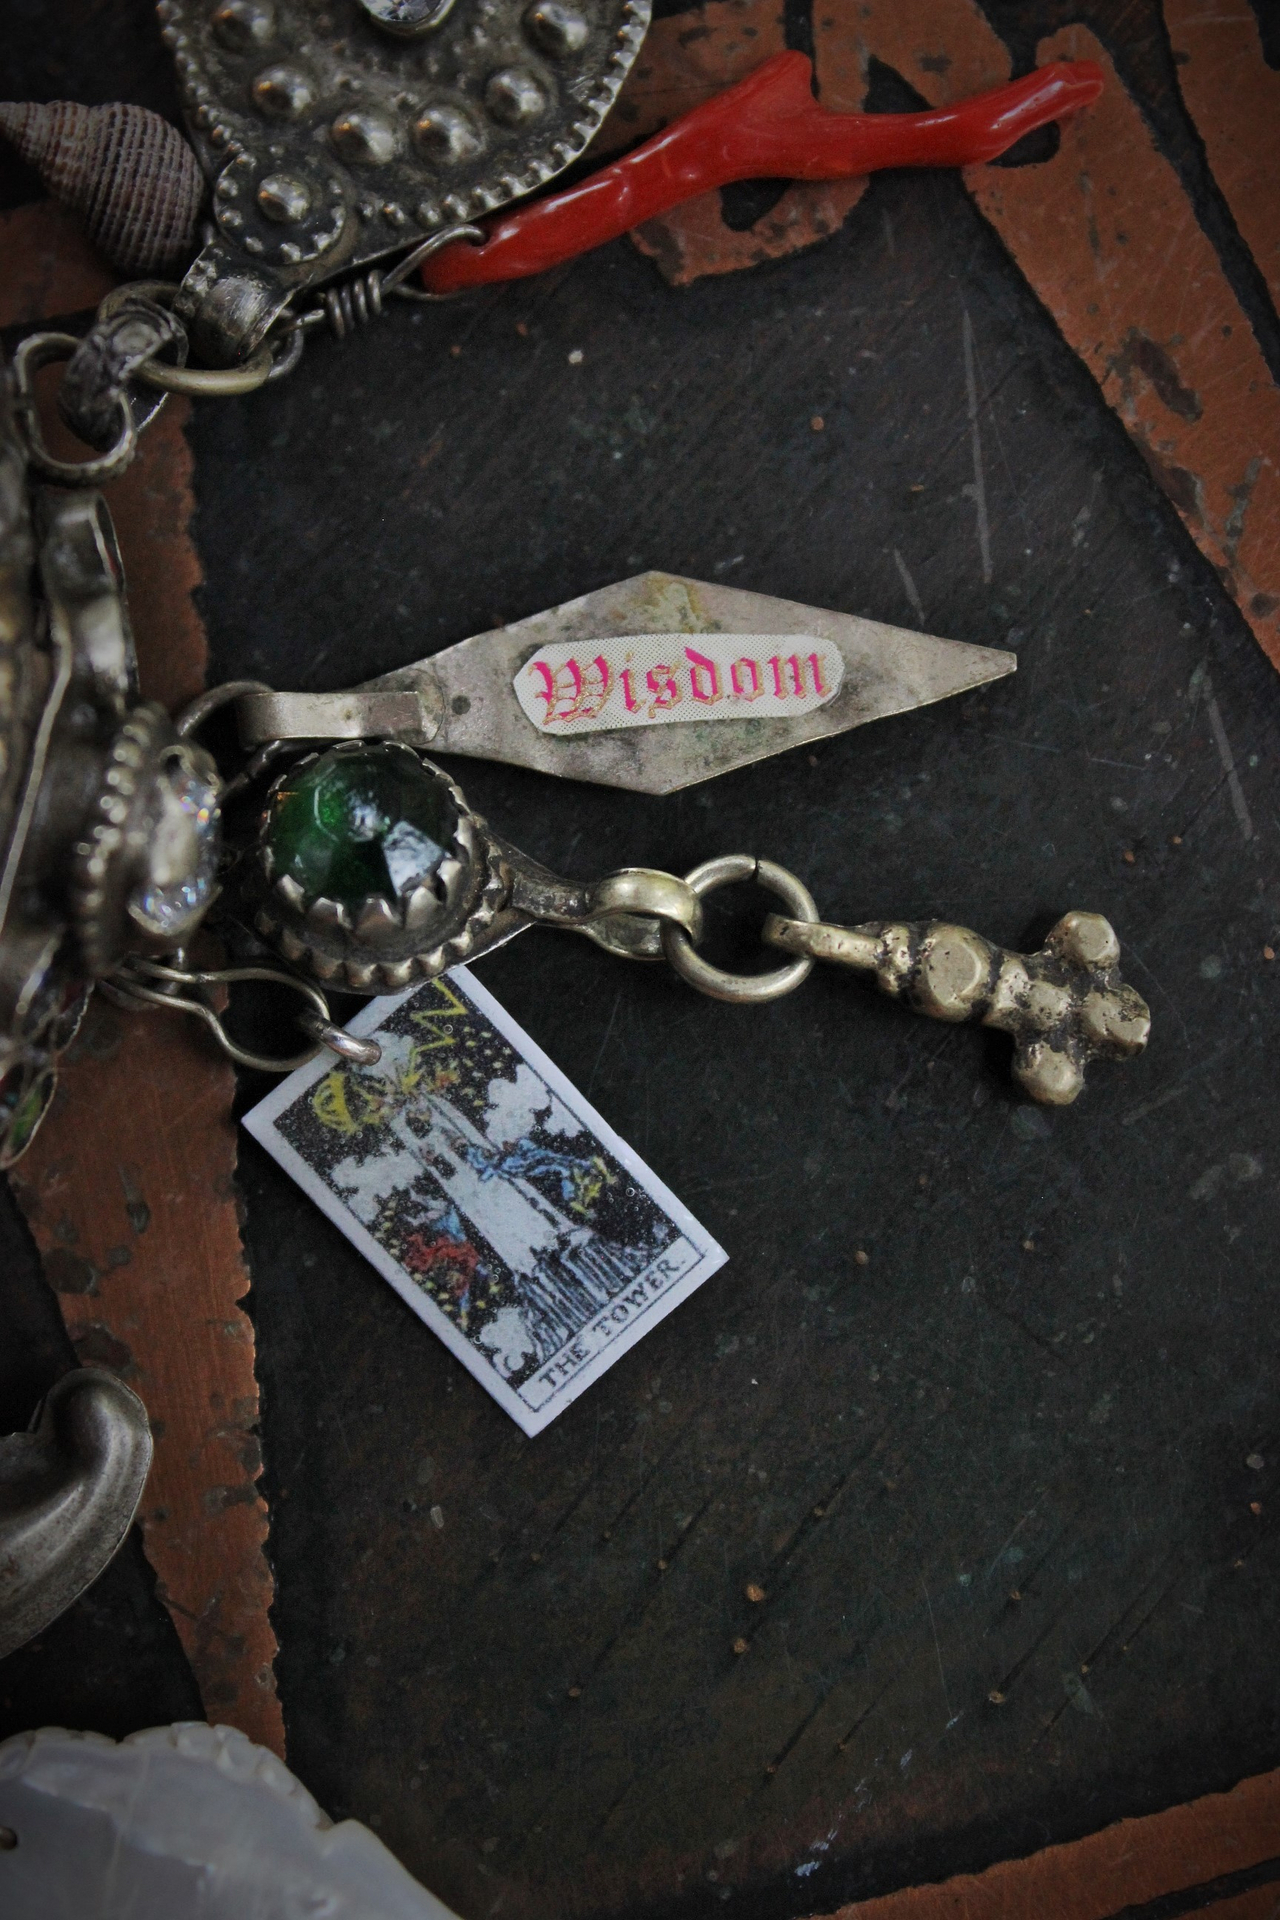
[{"x": 1064, "y": 1006}]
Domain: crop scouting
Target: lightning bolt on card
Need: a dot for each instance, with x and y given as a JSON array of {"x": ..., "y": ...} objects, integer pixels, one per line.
[{"x": 499, "y": 1204}]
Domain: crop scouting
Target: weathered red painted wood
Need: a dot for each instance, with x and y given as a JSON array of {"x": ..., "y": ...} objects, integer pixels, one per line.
[
  {"x": 1125, "y": 1866},
  {"x": 1234, "y": 98},
  {"x": 1109, "y": 239}
]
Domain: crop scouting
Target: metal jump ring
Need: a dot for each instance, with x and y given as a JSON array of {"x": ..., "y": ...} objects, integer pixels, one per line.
[
  {"x": 41, "y": 350},
  {"x": 211, "y": 382},
  {"x": 742, "y": 988},
  {"x": 205, "y": 381}
]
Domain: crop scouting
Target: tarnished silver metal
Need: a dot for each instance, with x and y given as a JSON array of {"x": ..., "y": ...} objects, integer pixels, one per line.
[
  {"x": 347, "y": 1046},
  {"x": 372, "y": 713},
  {"x": 213, "y": 383},
  {"x": 624, "y": 913},
  {"x": 193, "y": 716},
  {"x": 129, "y": 332},
  {"x": 273, "y": 358},
  {"x": 42, "y": 350},
  {"x": 743, "y": 989},
  {"x": 1064, "y": 1006},
  {"x": 355, "y": 303},
  {"x": 107, "y": 818},
  {"x": 334, "y": 138},
  {"x": 176, "y": 989},
  {"x": 69, "y": 1489},
  {"x": 628, "y": 911},
  {"x": 886, "y": 670},
  {"x": 383, "y": 944},
  {"x": 140, "y": 842}
]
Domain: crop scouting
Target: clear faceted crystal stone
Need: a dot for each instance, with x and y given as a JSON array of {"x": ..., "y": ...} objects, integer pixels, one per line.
[{"x": 183, "y": 841}]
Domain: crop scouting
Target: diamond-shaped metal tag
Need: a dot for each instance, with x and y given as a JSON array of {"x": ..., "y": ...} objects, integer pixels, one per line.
[{"x": 659, "y": 682}]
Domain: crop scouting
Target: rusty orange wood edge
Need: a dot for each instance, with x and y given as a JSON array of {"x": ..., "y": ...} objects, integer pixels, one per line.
[
  {"x": 128, "y": 1188},
  {"x": 1124, "y": 1866},
  {"x": 1234, "y": 98}
]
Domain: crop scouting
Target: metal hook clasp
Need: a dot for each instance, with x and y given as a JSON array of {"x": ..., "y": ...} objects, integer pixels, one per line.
[{"x": 131, "y": 985}]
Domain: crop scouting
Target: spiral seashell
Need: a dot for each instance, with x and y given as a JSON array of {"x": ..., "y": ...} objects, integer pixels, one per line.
[{"x": 128, "y": 172}]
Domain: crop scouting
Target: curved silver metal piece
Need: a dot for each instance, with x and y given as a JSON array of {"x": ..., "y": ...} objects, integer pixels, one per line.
[
  {"x": 41, "y": 350},
  {"x": 348, "y": 1046},
  {"x": 68, "y": 1492},
  {"x": 140, "y": 983}
]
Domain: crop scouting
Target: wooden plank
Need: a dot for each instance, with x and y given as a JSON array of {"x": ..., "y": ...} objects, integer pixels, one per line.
[
  {"x": 1126, "y": 1866},
  {"x": 1234, "y": 98},
  {"x": 49, "y": 266},
  {"x": 1109, "y": 239},
  {"x": 1103, "y": 231}
]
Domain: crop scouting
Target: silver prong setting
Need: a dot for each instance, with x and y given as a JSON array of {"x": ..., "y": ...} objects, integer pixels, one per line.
[
  {"x": 383, "y": 944},
  {"x": 329, "y": 917},
  {"x": 377, "y": 924},
  {"x": 448, "y": 876},
  {"x": 420, "y": 909}
]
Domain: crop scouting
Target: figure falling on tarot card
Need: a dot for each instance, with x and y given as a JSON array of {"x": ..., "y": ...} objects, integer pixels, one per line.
[{"x": 493, "y": 1212}]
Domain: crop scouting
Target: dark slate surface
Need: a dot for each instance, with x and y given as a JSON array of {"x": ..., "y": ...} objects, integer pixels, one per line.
[{"x": 1007, "y": 1457}]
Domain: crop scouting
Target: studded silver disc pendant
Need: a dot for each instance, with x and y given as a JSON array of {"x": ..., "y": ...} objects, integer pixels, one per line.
[{"x": 335, "y": 134}]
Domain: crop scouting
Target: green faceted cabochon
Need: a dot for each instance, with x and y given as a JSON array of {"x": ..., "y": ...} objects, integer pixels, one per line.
[{"x": 360, "y": 820}]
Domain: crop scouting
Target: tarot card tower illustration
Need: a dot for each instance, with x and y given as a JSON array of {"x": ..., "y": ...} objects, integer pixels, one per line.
[{"x": 492, "y": 1196}]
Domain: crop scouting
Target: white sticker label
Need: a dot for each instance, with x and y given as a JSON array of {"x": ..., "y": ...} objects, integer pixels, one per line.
[{"x": 652, "y": 679}]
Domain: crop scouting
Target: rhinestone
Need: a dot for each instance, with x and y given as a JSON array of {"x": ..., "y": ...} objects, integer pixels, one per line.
[{"x": 360, "y": 821}]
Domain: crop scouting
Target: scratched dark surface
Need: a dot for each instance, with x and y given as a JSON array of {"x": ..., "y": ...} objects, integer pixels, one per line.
[{"x": 994, "y": 1483}]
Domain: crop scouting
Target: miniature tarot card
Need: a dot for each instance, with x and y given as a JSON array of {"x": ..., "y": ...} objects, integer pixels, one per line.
[{"x": 493, "y": 1197}]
